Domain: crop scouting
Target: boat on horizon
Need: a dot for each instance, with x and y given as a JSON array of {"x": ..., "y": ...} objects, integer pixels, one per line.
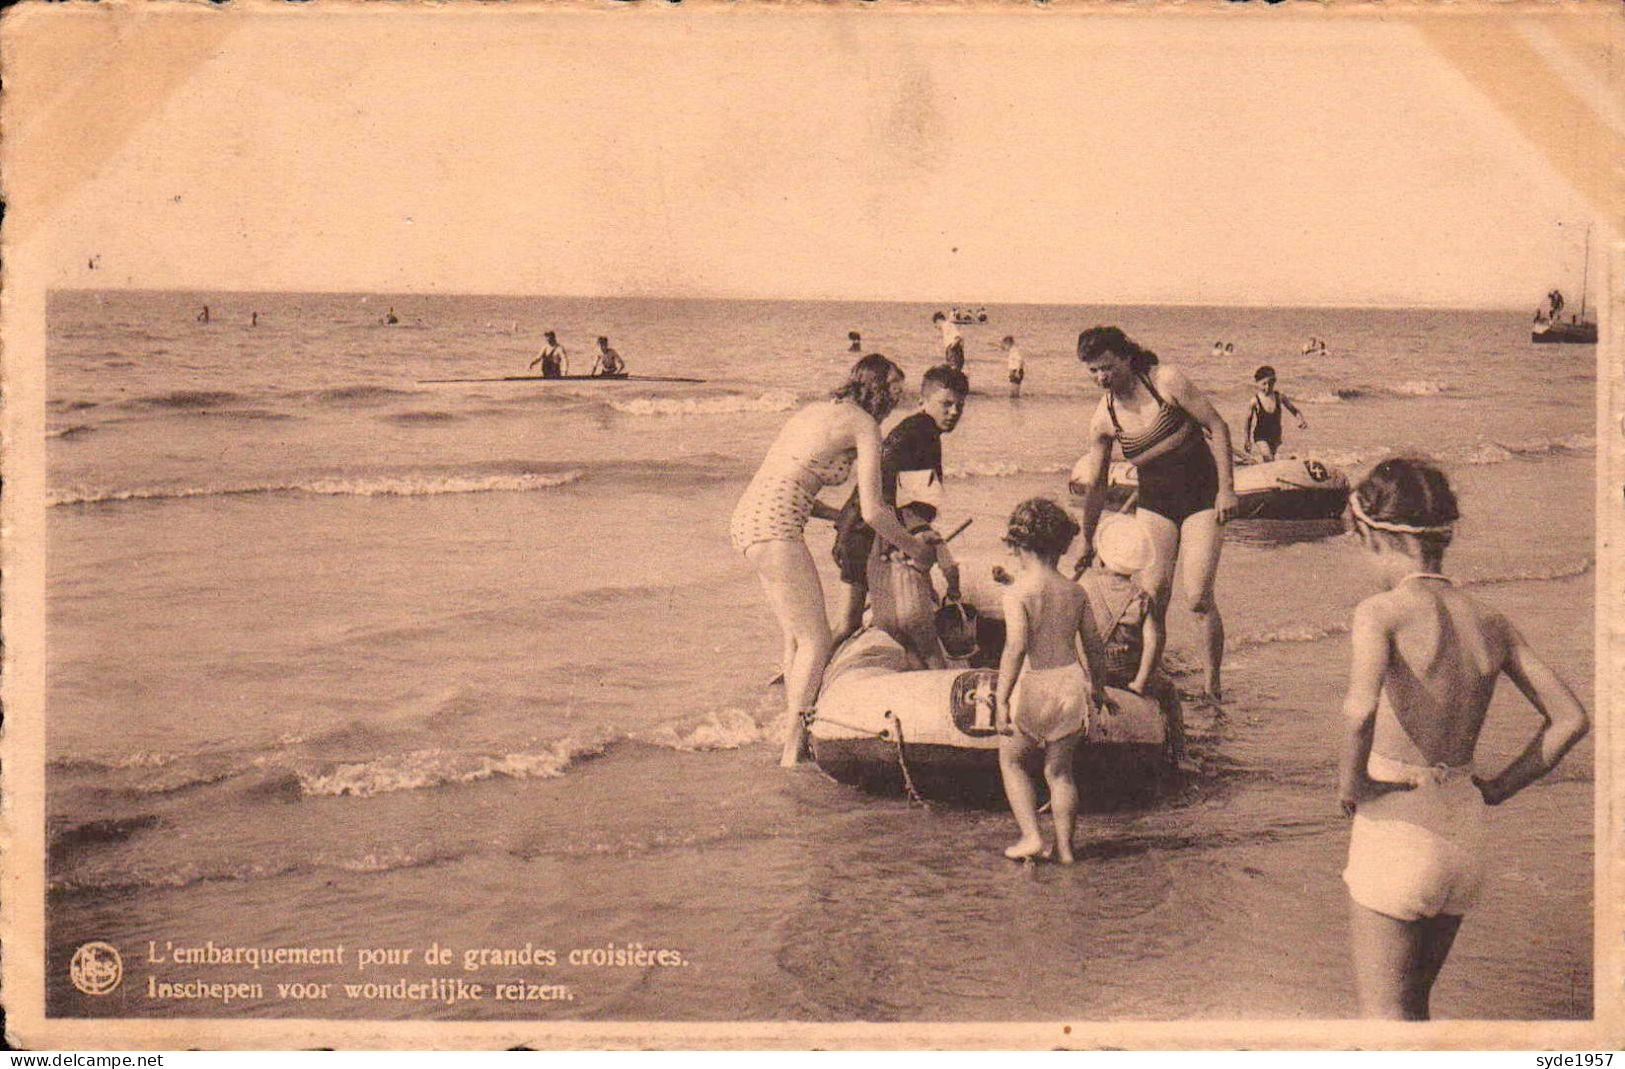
[{"x": 1551, "y": 329}]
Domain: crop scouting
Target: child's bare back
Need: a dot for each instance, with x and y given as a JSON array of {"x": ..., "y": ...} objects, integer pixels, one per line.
[
  {"x": 1447, "y": 650},
  {"x": 1053, "y": 607}
]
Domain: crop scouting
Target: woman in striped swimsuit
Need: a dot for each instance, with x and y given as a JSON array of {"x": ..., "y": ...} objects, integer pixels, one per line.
[
  {"x": 1181, "y": 446},
  {"x": 817, "y": 448}
]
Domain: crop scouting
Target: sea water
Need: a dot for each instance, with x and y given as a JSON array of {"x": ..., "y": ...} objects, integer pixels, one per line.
[{"x": 336, "y": 656}]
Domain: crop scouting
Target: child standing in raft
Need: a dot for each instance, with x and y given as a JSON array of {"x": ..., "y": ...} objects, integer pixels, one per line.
[
  {"x": 1046, "y": 690},
  {"x": 1426, "y": 659}
]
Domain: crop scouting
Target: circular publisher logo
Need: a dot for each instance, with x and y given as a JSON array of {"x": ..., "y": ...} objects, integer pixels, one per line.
[{"x": 96, "y": 968}]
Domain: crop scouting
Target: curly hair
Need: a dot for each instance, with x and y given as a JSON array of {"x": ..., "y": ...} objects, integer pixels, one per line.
[
  {"x": 1040, "y": 526},
  {"x": 1098, "y": 341},
  {"x": 1410, "y": 492},
  {"x": 868, "y": 385}
]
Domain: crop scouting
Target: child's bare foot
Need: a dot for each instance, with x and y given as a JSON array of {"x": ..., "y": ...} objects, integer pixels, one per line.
[
  {"x": 1063, "y": 855},
  {"x": 1027, "y": 850}
]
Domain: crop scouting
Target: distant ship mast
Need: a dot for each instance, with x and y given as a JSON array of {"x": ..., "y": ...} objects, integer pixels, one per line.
[{"x": 1585, "y": 275}]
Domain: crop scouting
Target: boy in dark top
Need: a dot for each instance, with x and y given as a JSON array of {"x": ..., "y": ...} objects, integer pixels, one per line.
[{"x": 911, "y": 481}]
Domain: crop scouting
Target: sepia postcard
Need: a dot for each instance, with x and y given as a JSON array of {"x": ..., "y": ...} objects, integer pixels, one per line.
[{"x": 715, "y": 524}]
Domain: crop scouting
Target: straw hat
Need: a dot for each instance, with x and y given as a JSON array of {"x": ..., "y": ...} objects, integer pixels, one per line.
[{"x": 1121, "y": 544}]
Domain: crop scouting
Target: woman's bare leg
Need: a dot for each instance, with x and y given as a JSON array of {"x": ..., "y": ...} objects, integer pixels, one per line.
[
  {"x": 790, "y": 581},
  {"x": 1157, "y": 578},
  {"x": 1200, "y": 541},
  {"x": 1063, "y": 794}
]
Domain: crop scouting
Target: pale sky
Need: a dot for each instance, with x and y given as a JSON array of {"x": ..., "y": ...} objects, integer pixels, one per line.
[{"x": 875, "y": 153}]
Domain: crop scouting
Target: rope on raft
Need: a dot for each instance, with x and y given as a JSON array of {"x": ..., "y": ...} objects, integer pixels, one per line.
[
  {"x": 894, "y": 734},
  {"x": 902, "y": 762}
]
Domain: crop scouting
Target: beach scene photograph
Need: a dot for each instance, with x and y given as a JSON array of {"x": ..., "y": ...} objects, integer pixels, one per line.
[{"x": 809, "y": 518}]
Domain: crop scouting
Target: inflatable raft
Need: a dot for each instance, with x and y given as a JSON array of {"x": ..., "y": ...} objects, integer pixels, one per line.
[
  {"x": 889, "y": 730},
  {"x": 1286, "y": 489}
]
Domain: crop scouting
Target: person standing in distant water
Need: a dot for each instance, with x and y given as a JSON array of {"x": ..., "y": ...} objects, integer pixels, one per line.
[
  {"x": 854, "y": 342},
  {"x": 254, "y": 320},
  {"x": 1264, "y": 415},
  {"x": 953, "y": 342},
  {"x": 1017, "y": 363},
  {"x": 390, "y": 318},
  {"x": 1426, "y": 658},
  {"x": 1218, "y": 350},
  {"x": 817, "y": 447},
  {"x": 609, "y": 362},
  {"x": 203, "y": 316},
  {"x": 554, "y": 358},
  {"x": 1180, "y": 446}
]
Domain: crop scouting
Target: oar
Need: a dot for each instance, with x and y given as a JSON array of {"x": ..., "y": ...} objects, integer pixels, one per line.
[{"x": 955, "y": 533}]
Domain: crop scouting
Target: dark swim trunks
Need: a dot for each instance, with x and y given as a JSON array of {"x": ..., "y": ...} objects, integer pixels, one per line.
[
  {"x": 1182, "y": 483},
  {"x": 854, "y": 541},
  {"x": 1267, "y": 425}
]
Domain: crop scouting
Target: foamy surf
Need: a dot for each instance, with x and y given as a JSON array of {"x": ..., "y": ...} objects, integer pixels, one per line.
[
  {"x": 723, "y": 729},
  {"x": 1003, "y": 469},
  {"x": 772, "y": 401},
  {"x": 360, "y": 486},
  {"x": 118, "y": 875},
  {"x": 1476, "y": 454},
  {"x": 1419, "y": 388},
  {"x": 1411, "y": 388},
  {"x": 424, "y": 769}
]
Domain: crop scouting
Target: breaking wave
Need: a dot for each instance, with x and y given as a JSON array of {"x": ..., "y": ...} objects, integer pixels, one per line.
[
  {"x": 772, "y": 401},
  {"x": 360, "y": 486},
  {"x": 1418, "y": 388},
  {"x": 1412, "y": 388},
  {"x": 123, "y": 877},
  {"x": 420, "y": 769},
  {"x": 1003, "y": 468},
  {"x": 725, "y": 729}
]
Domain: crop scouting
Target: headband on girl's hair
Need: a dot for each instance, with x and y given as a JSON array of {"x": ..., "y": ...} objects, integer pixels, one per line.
[{"x": 1389, "y": 525}]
